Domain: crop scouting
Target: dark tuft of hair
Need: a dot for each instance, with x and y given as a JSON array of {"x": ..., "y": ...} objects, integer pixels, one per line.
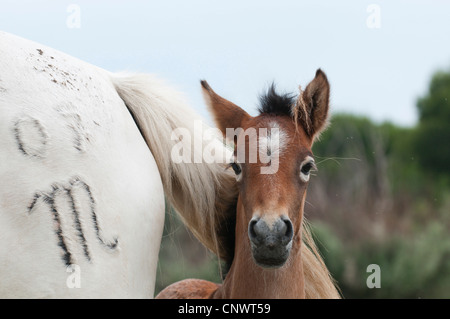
[{"x": 275, "y": 103}]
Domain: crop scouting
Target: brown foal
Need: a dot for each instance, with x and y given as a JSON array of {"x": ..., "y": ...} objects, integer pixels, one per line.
[{"x": 272, "y": 163}]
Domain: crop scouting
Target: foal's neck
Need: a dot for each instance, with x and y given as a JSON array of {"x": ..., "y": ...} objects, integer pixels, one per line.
[{"x": 247, "y": 280}]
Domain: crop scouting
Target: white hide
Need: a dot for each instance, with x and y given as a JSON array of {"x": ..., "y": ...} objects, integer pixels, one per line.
[{"x": 68, "y": 143}]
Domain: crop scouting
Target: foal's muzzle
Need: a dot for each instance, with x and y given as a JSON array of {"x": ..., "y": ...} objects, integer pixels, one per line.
[{"x": 270, "y": 244}]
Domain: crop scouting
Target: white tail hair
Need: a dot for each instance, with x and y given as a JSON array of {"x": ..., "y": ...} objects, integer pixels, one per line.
[{"x": 201, "y": 193}]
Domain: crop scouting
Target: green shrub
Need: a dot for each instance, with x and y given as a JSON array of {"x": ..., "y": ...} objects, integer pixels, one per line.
[{"x": 411, "y": 267}]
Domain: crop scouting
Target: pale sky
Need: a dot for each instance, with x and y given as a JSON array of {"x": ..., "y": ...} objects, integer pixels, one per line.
[{"x": 378, "y": 59}]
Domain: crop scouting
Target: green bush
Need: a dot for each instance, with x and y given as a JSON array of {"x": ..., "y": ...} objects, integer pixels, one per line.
[{"x": 411, "y": 267}]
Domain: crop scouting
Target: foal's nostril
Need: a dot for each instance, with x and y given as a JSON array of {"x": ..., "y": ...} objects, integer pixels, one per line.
[
  {"x": 251, "y": 229},
  {"x": 289, "y": 233},
  {"x": 257, "y": 230}
]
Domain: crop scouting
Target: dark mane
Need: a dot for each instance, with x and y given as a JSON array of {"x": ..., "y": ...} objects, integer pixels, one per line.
[{"x": 275, "y": 103}]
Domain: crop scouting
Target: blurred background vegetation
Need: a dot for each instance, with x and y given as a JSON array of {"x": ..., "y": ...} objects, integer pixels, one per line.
[{"x": 381, "y": 196}]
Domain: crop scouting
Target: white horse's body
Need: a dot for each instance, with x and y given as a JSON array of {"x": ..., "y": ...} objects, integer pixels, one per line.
[{"x": 78, "y": 183}]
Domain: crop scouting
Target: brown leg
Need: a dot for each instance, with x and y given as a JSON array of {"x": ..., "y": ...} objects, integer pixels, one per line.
[{"x": 189, "y": 289}]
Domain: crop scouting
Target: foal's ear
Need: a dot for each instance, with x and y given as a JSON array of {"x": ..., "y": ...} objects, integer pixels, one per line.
[
  {"x": 311, "y": 109},
  {"x": 226, "y": 114}
]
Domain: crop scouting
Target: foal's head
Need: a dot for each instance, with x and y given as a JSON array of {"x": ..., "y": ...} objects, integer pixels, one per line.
[{"x": 272, "y": 162}]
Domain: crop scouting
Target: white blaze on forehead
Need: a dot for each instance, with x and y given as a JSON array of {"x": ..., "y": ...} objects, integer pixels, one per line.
[{"x": 272, "y": 141}]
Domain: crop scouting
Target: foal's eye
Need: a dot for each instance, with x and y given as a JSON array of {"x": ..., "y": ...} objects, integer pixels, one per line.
[
  {"x": 306, "y": 167},
  {"x": 236, "y": 168}
]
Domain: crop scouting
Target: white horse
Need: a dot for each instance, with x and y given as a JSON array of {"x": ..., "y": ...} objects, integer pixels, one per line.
[{"x": 85, "y": 169}]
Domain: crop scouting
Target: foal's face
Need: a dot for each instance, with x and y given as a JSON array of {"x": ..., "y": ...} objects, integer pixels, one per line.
[
  {"x": 272, "y": 185},
  {"x": 272, "y": 163}
]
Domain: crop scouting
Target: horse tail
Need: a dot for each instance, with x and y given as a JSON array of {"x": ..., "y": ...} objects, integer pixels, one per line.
[
  {"x": 201, "y": 193},
  {"x": 319, "y": 283}
]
